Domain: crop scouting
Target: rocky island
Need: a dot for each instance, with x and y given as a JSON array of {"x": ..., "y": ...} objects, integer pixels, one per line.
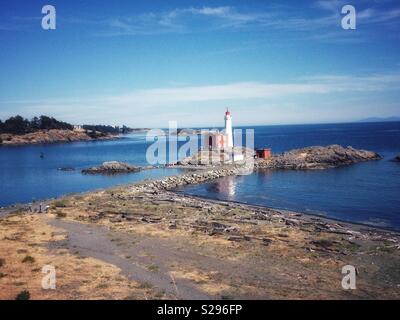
[
  {"x": 112, "y": 167},
  {"x": 317, "y": 158}
]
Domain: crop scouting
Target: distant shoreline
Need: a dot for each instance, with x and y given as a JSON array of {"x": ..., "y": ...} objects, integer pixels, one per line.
[
  {"x": 57, "y": 136},
  {"x": 51, "y": 136}
]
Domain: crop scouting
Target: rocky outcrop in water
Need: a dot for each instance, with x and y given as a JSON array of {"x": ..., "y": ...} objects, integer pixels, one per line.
[
  {"x": 317, "y": 158},
  {"x": 112, "y": 167},
  {"x": 298, "y": 159}
]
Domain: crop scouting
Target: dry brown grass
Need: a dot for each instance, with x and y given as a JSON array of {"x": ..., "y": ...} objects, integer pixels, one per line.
[
  {"x": 77, "y": 278},
  {"x": 205, "y": 281}
]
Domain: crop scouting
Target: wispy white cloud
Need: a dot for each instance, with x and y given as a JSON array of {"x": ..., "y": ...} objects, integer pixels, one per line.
[
  {"x": 367, "y": 12},
  {"x": 181, "y": 20},
  {"x": 314, "y": 85},
  {"x": 307, "y": 96},
  {"x": 374, "y": 16},
  {"x": 370, "y": 83},
  {"x": 325, "y": 20},
  {"x": 330, "y": 5},
  {"x": 322, "y": 17}
]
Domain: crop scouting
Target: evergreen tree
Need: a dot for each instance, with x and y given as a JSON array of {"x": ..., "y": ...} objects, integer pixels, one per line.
[{"x": 16, "y": 125}]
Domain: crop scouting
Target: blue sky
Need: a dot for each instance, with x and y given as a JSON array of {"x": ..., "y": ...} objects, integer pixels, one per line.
[{"x": 143, "y": 63}]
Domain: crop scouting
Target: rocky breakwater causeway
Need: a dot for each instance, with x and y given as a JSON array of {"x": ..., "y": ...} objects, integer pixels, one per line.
[{"x": 309, "y": 158}]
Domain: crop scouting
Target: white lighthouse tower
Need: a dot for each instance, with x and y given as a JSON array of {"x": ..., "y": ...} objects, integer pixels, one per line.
[{"x": 228, "y": 129}]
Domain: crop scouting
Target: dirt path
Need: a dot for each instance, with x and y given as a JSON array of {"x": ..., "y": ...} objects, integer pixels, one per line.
[
  {"x": 142, "y": 259},
  {"x": 152, "y": 261}
]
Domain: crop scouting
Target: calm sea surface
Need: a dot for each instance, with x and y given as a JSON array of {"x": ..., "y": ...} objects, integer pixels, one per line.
[
  {"x": 367, "y": 192},
  {"x": 25, "y": 176}
]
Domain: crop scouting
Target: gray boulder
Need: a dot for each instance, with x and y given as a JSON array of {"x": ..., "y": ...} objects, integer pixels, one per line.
[{"x": 112, "y": 167}]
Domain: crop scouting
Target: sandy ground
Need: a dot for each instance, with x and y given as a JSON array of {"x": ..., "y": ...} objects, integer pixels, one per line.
[{"x": 124, "y": 244}]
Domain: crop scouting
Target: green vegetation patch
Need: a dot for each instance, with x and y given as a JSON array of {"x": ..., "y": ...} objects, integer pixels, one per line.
[
  {"x": 28, "y": 259},
  {"x": 23, "y": 295}
]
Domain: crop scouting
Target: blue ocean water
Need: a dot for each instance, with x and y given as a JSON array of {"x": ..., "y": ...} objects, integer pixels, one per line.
[
  {"x": 366, "y": 192},
  {"x": 26, "y": 177}
]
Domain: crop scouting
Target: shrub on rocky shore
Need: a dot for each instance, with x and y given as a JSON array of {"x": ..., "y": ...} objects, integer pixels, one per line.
[{"x": 23, "y": 295}]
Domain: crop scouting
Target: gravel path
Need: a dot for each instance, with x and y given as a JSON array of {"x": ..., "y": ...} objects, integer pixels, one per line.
[{"x": 144, "y": 260}]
